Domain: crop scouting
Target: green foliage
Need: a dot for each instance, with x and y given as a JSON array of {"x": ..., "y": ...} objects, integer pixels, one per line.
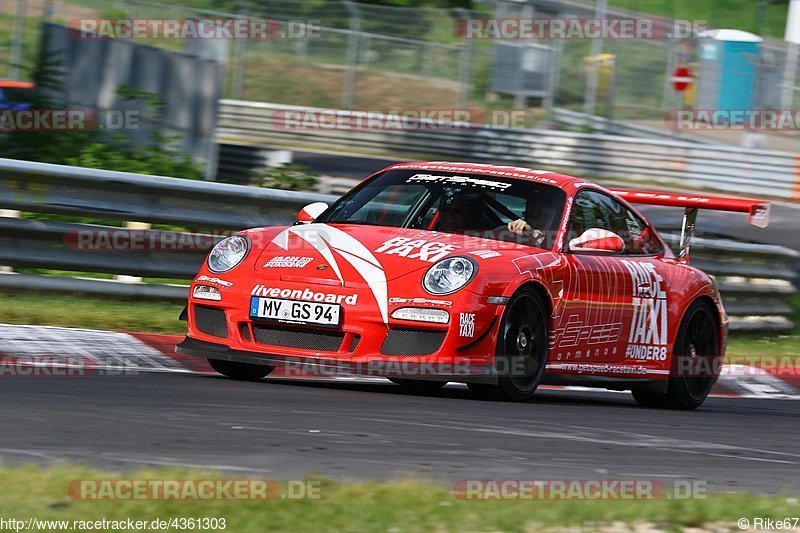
[
  {"x": 119, "y": 154},
  {"x": 421, "y": 3},
  {"x": 403, "y": 505},
  {"x": 113, "y": 14},
  {"x": 290, "y": 177},
  {"x": 762, "y": 17},
  {"x": 95, "y": 148},
  {"x": 152, "y": 100}
]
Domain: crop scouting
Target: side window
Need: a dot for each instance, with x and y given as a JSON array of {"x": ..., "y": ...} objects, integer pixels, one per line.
[
  {"x": 596, "y": 210},
  {"x": 514, "y": 206},
  {"x": 588, "y": 211},
  {"x": 640, "y": 239}
]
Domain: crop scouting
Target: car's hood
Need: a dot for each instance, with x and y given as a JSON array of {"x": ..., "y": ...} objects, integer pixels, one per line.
[
  {"x": 386, "y": 262},
  {"x": 322, "y": 253}
]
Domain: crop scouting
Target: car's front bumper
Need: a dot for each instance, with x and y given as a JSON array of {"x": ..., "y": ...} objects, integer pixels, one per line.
[{"x": 379, "y": 366}]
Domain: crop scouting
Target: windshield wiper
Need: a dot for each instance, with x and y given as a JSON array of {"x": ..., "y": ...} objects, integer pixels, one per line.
[{"x": 357, "y": 222}]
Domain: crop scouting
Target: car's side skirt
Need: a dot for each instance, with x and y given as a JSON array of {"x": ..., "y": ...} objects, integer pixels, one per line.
[{"x": 602, "y": 382}]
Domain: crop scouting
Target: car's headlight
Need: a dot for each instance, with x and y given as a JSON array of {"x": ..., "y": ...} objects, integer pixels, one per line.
[
  {"x": 449, "y": 275},
  {"x": 228, "y": 253}
]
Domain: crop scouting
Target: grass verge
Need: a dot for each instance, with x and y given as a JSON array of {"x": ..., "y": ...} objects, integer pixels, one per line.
[
  {"x": 752, "y": 348},
  {"x": 81, "y": 311},
  {"x": 374, "y": 506}
]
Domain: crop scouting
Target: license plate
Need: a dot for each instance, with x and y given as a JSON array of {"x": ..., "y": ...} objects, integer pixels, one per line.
[{"x": 295, "y": 312}]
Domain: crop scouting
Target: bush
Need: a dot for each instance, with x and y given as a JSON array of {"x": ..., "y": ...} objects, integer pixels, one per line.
[
  {"x": 95, "y": 148},
  {"x": 290, "y": 177}
]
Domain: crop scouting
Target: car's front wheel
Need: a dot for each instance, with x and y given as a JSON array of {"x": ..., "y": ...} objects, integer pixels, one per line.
[
  {"x": 521, "y": 350},
  {"x": 243, "y": 371},
  {"x": 695, "y": 357}
]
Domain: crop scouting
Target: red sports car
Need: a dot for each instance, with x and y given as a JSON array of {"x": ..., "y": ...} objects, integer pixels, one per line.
[{"x": 499, "y": 277}]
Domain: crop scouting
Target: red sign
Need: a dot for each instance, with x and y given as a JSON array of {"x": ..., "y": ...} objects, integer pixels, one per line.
[{"x": 682, "y": 78}]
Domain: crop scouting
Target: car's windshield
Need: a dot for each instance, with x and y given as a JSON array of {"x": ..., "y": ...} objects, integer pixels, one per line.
[{"x": 485, "y": 206}]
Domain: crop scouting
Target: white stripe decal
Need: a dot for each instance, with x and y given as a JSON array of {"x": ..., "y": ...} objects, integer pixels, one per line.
[{"x": 324, "y": 238}]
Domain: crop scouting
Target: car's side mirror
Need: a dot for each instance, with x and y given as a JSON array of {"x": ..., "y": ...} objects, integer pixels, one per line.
[
  {"x": 596, "y": 240},
  {"x": 309, "y": 213}
]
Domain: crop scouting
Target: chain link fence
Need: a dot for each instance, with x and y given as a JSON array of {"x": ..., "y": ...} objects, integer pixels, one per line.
[{"x": 359, "y": 56}]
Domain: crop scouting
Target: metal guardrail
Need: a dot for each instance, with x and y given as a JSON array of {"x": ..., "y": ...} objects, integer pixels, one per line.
[
  {"x": 716, "y": 167},
  {"x": 108, "y": 195},
  {"x": 595, "y": 123},
  {"x": 755, "y": 279}
]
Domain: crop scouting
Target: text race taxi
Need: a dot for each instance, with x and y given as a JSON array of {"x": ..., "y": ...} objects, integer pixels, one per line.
[{"x": 499, "y": 277}]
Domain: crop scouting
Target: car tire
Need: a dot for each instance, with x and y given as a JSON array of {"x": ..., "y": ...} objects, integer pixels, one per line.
[
  {"x": 242, "y": 371},
  {"x": 421, "y": 386},
  {"x": 696, "y": 349},
  {"x": 522, "y": 347}
]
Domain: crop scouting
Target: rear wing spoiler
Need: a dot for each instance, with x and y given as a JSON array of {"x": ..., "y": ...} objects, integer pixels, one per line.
[{"x": 757, "y": 210}]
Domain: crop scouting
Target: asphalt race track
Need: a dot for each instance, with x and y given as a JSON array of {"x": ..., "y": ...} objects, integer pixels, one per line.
[{"x": 285, "y": 429}]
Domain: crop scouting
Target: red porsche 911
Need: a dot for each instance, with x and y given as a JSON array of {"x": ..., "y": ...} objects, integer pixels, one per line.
[{"x": 499, "y": 277}]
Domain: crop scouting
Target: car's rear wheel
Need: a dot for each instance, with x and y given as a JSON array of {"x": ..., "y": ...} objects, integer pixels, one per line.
[
  {"x": 695, "y": 358},
  {"x": 243, "y": 371},
  {"x": 521, "y": 350},
  {"x": 419, "y": 385}
]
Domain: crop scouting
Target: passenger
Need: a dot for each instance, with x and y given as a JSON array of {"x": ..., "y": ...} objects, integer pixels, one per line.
[{"x": 536, "y": 221}]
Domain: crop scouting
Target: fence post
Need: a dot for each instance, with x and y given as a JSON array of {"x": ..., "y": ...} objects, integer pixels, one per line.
[
  {"x": 132, "y": 226},
  {"x": 792, "y": 37},
  {"x": 465, "y": 71},
  {"x": 590, "y": 99},
  {"x": 10, "y": 213},
  {"x": 348, "y": 95},
  {"x": 238, "y": 55},
  {"x": 465, "y": 65},
  {"x": 18, "y": 40}
]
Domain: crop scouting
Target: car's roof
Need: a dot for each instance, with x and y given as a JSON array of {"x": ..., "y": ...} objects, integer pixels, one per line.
[{"x": 544, "y": 176}]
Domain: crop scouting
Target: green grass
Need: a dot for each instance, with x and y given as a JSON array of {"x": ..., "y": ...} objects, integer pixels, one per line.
[
  {"x": 30, "y": 44},
  {"x": 395, "y": 506},
  {"x": 81, "y": 311},
  {"x": 755, "y": 349},
  {"x": 757, "y": 16}
]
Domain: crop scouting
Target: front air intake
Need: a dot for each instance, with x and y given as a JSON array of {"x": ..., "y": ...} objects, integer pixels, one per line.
[
  {"x": 413, "y": 342},
  {"x": 325, "y": 341},
  {"x": 210, "y": 321}
]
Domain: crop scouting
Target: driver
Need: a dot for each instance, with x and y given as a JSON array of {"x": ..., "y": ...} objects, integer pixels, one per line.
[{"x": 455, "y": 211}]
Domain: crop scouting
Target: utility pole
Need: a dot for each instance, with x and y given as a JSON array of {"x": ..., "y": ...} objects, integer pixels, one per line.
[
  {"x": 353, "y": 43},
  {"x": 593, "y": 80},
  {"x": 18, "y": 40}
]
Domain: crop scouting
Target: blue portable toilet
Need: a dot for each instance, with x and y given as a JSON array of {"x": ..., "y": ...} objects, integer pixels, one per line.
[{"x": 728, "y": 70}]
